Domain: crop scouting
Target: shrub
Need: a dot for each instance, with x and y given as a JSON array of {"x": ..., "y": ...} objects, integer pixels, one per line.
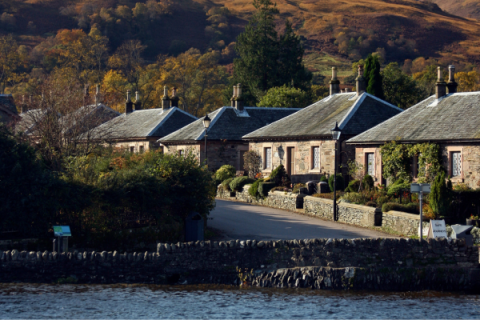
[
  {"x": 354, "y": 197},
  {"x": 238, "y": 183},
  {"x": 253, "y": 191},
  {"x": 226, "y": 171},
  {"x": 353, "y": 186},
  {"x": 441, "y": 195},
  {"x": 381, "y": 200},
  {"x": 252, "y": 162},
  {"x": 264, "y": 188},
  {"x": 371, "y": 204},
  {"x": 296, "y": 188},
  {"x": 410, "y": 207},
  {"x": 398, "y": 187},
  {"x": 280, "y": 176},
  {"x": 461, "y": 187},
  {"x": 323, "y": 178},
  {"x": 279, "y": 188},
  {"x": 226, "y": 184},
  {"x": 328, "y": 195},
  {"x": 340, "y": 182},
  {"x": 367, "y": 182}
]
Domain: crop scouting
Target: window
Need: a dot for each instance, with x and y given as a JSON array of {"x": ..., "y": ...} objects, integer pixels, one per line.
[
  {"x": 181, "y": 153},
  {"x": 132, "y": 149},
  {"x": 370, "y": 163},
  {"x": 141, "y": 149},
  {"x": 456, "y": 164},
  {"x": 268, "y": 158},
  {"x": 316, "y": 157}
]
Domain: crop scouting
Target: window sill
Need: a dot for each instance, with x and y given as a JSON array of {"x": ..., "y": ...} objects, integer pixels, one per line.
[
  {"x": 457, "y": 179},
  {"x": 314, "y": 171}
]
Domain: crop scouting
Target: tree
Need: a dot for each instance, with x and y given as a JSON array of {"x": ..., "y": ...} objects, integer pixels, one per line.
[
  {"x": 285, "y": 97},
  {"x": 10, "y": 61},
  {"x": 468, "y": 81},
  {"x": 427, "y": 79},
  {"x": 440, "y": 196},
  {"x": 252, "y": 163},
  {"x": 373, "y": 77},
  {"x": 400, "y": 89}
]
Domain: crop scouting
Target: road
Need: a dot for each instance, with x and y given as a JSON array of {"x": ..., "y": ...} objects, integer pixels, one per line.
[{"x": 236, "y": 220}]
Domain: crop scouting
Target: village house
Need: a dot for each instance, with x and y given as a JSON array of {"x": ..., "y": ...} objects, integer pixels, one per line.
[
  {"x": 224, "y": 135},
  {"x": 303, "y": 141},
  {"x": 449, "y": 119},
  {"x": 138, "y": 130}
]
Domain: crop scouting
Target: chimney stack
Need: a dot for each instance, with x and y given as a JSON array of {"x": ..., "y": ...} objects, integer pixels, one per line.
[
  {"x": 165, "y": 99},
  {"x": 239, "y": 99},
  {"x": 346, "y": 90},
  {"x": 174, "y": 98},
  {"x": 128, "y": 104},
  {"x": 97, "y": 95},
  {"x": 24, "y": 106},
  {"x": 232, "y": 100},
  {"x": 451, "y": 84},
  {"x": 334, "y": 83},
  {"x": 360, "y": 81},
  {"x": 138, "y": 104},
  {"x": 441, "y": 86},
  {"x": 85, "y": 95}
]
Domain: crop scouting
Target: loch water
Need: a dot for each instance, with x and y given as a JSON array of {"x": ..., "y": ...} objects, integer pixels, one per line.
[{"x": 41, "y": 301}]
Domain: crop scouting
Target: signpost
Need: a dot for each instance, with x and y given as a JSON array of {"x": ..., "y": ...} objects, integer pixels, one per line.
[
  {"x": 420, "y": 188},
  {"x": 62, "y": 233},
  {"x": 437, "y": 229}
]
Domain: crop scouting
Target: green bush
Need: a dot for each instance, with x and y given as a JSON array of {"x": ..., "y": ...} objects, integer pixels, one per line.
[
  {"x": 226, "y": 184},
  {"x": 371, "y": 204},
  {"x": 280, "y": 176},
  {"x": 381, "y": 200},
  {"x": 441, "y": 195},
  {"x": 323, "y": 179},
  {"x": 398, "y": 187},
  {"x": 296, "y": 187},
  {"x": 340, "y": 182},
  {"x": 265, "y": 187},
  {"x": 367, "y": 182},
  {"x": 353, "y": 186},
  {"x": 238, "y": 183},
  {"x": 409, "y": 208},
  {"x": 226, "y": 171},
  {"x": 253, "y": 191}
]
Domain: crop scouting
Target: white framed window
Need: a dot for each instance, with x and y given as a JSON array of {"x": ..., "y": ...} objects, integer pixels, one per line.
[
  {"x": 456, "y": 164},
  {"x": 370, "y": 157},
  {"x": 132, "y": 149},
  {"x": 315, "y": 157},
  {"x": 181, "y": 153},
  {"x": 267, "y": 158}
]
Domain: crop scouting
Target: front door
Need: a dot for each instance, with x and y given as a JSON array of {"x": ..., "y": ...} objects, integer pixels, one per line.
[{"x": 290, "y": 161}]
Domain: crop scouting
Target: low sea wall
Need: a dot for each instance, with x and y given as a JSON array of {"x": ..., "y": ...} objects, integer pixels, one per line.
[{"x": 235, "y": 262}]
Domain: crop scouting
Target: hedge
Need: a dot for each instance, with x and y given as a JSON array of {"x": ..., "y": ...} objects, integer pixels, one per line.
[
  {"x": 238, "y": 183},
  {"x": 409, "y": 208},
  {"x": 265, "y": 187}
]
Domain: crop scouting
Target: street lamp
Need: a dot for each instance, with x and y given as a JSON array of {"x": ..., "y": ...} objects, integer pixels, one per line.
[
  {"x": 206, "y": 124},
  {"x": 336, "y": 136}
]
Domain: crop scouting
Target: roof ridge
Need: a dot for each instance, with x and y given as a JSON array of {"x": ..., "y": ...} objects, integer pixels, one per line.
[
  {"x": 214, "y": 120},
  {"x": 168, "y": 115}
]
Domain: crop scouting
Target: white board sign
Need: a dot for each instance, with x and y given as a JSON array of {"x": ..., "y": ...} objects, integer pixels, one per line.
[{"x": 437, "y": 229}]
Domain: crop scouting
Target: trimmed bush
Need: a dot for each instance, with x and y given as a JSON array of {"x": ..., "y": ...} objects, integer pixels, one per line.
[
  {"x": 253, "y": 191},
  {"x": 371, "y": 204},
  {"x": 265, "y": 187},
  {"x": 398, "y": 187},
  {"x": 323, "y": 178},
  {"x": 296, "y": 188},
  {"x": 409, "y": 208},
  {"x": 353, "y": 186},
  {"x": 226, "y": 171},
  {"x": 238, "y": 183},
  {"x": 226, "y": 184},
  {"x": 280, "y": 176},
  {"x": 441, "y": 195},
  {"x": 340, "y": 182},
  {"x": 367, "y": 182}
]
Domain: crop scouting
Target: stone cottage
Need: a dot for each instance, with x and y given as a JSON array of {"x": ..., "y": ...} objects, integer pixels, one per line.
[
  {"x": 449, "y": 119},
  {"x": 224, "y": 136},
  {"x": 138, "y": 130},
  {"x": 303, "y": 141}
]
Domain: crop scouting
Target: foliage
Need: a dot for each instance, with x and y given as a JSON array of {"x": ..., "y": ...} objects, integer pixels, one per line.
[
  {"x": 468, "y": 81},
  {"x": 328, "y": 195},
  {"x": 285, "y": 97},
  {"x": 373, "y": 77},
  {"x": 280, "y": 177},
  {"x": 440, "y": 196},
  {"x": 400, "y": 89},
  {"x": 252, "y": 163},
  {"x": 319, "y": 92},
  {"x": 265, "y": 187},
  {"x": 398, "y": 187},
  {"x": 367, "y": 182},
  {"x": 226, "y": 171},
  {"x": 226, "y": 184},
  {"x": 340, "y": 182},
  {"x": 253, "y": 190},
  {"x": 238, "y": 183},
  {"x": 323, "y": 179},
  {"x": 353, "y": 186},
  {"x": 410, "y": 207},
  {"x": 265, "y": 59},
  {"x": 355, "y": 170},
  {"x": 297, "y": 186}
]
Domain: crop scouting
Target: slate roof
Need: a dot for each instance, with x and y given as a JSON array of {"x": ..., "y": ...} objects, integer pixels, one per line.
[
  {"x": 27, "y": 121},
  {"x": 453, "y": 117},
  {"x": 230, "y": 124},
  {"x": 144, "y": 123},
  {"x": 353, "y": 114}
]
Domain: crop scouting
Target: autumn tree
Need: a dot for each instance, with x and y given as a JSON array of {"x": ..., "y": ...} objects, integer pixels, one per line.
[
  {"x": 400, "y": 89},
  {"x": 468, "y": 81},
  {"x": 10, "y": 61},
  {"x": 285, "y": 97}
]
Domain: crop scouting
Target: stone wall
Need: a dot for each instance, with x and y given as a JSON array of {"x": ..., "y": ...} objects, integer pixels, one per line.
[
  {"x": 402, "y": 223},
  {"x": 220, "y": 262}
]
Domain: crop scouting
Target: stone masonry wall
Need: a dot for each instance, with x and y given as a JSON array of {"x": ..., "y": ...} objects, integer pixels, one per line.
[
  {"x": 219, "y": 262},
  {"x": 402, "y": 223}
]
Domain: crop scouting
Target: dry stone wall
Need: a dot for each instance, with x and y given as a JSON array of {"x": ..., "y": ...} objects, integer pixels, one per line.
[
  {"x": 220, "y": 262},
  {"x": 401, "y": 222}
]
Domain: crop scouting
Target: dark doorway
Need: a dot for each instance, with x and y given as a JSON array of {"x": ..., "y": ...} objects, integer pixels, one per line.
[{"x": 290, "y": 161}]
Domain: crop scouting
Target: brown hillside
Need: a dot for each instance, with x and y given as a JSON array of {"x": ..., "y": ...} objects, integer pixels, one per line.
[{"x": 462, "y": 8}]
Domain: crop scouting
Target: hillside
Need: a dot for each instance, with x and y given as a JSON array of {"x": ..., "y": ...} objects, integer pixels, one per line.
[
  {"x": 334, "y": 32},
  {"x": 462, "y": 8}
]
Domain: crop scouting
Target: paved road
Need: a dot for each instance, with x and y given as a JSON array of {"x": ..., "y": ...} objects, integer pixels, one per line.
[{"x": 242, "y": 221}]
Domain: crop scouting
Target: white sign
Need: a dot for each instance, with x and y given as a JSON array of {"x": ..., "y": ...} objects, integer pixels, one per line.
[{"x": 437, "y": 229}]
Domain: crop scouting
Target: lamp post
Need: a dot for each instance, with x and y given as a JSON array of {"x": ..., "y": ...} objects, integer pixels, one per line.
[
  {"x": 336, "y": 136},
  {"x": 206, "y": 124}
]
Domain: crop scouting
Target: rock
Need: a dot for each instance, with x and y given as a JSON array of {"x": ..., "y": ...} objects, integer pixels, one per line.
[
  {"x": 145, "y": 257},
  {"x": 231, "y": 243},
  {"x": 45, "y": 255},
  {"x": 254, "y": 243},
  {"x": 79, "y": 256},
  {"x": 248, "y": 243},
  {"x": 14, "y": 255},
  {"x": 160, "y": 247},
  {"x": 92, "y": 257},
  {"x": 242, "y": 244},
  {"x": 260, "y": 244},
  {"x": 39, "y": 255},
  {"x": 168, "y": 248}
]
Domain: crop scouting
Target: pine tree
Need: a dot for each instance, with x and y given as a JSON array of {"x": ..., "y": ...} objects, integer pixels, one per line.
[
  {"x": 440, "y": 195},
  {"x": 373, "y": 77}
]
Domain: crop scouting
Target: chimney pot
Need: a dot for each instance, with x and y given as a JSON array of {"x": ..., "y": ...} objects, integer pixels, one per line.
[
  {"x": 360, "y": 81},
  {"x": 165, "y": 99},
  {"x": 334, "y": 83},
  {"x": 138, "y": 104},
  {"x": 128, "y": 104},
  {"x": 174, "y": 100},
  {"x": 441, "y": 86},
  {"x": 239, "y": 99},
  {"x": 234, "y": 96},
  {"x": 451, "y": 84}
]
